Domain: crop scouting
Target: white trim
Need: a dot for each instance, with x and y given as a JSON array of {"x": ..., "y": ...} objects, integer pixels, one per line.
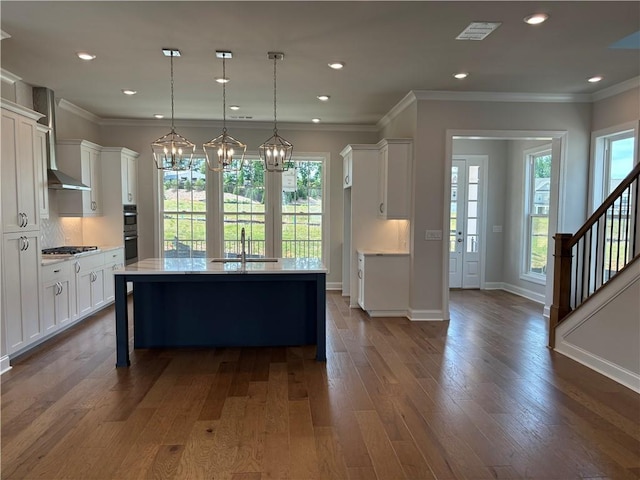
[
  {"x": 616, "y": 89},
  {"x": 4, "y": 364},
  {"x": 493, "y": 286},
  {"x": 334, "y": 286},
  {"x": 9, "y": 77},
  {"x": 387, "y": 313},
  {"x": 81, "y": 112},
  {"x": 426, "y": 315},
  {"x": 523, "y": 292},
  {"x": 502, "y": 96},
  {"x": 235, "y": 124},
  {"x": 20, "y": 110},
  {"x": 615, "y": 372},
  {"x": 546, "y": 311},
  {"x": 397, "y": 109}
]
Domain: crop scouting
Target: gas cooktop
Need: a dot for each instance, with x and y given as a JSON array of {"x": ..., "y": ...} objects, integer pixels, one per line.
[{"x": 68, "y": 250}]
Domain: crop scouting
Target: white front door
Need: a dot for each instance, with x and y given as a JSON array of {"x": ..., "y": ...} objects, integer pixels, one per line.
[{"x": 465, "y": 236}]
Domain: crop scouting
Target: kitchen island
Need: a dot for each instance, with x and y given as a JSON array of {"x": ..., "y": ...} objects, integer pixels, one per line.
[{"x": 198, "y": 302}]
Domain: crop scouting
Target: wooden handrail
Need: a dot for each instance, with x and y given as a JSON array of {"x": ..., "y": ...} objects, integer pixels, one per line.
[{"x": 610, "y": 200}]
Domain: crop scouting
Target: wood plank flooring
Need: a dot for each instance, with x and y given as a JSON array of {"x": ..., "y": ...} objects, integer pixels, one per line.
[{"x": 478, "y": 397}]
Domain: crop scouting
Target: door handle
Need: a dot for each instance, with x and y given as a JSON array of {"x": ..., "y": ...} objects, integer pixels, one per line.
[{"x": 459, "y": 240}]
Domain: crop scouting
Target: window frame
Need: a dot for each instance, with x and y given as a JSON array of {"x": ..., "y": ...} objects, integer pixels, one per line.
[{"x": 528, "y": 213}]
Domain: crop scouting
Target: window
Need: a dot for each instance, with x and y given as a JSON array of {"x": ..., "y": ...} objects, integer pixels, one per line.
[
  {"x": 536, "y": 213},
  {"x": 183, "y": 206},
  {"x": 283, "y": 214}
]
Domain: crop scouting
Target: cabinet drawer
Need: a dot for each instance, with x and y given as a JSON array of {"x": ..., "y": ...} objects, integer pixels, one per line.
[
  {"x": 114, "y": 256},
  {"x": 55, "y": 272},
  {"x": 91, "y": 262}
]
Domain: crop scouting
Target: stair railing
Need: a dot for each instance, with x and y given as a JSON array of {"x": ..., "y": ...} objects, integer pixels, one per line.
[{"x": 607, "y": 242}]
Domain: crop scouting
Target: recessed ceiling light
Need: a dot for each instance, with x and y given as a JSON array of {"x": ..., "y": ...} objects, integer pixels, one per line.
[
  {"x": 315, "y": 120},
  {"x": 337, "y": 65},
  {"x": 234, "y": 107},
  {"x": 536, "y": 18},
  {"x": 222, "y": 80},
  {"x": 159, "y": 115},
  {"x": 461, "y": 75},
  {"x": 85, "y": 56},
  {"x": 126, "y": 91},
  {"x": 323, "y": 98},
  {"x": 595, "y": 79}
]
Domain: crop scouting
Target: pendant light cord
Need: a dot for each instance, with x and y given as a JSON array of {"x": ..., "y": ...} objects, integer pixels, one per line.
[
  {"x": 275, "y": 118},
  {"x": 224, "y": 97},
  {"x": 172, "y": 125}
]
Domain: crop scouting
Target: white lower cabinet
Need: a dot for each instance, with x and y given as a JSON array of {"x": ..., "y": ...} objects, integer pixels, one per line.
[
  {"x": 20, "y": 271},
  {"x": 112, "y": 261},
  {"x": 58, "y": 296},
  {"x": 89, "y": 278},
  {"x": 383, "y": 283}
]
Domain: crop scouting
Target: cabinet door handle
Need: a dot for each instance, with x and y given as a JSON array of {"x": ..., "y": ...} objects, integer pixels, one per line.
[
  {"x": 56, "y": 271},
  {"x": 21, "y": 243},
  {"x": 77, "y": 267},
  {"x": 382, "y": 208},
  {"x": 27, "y": 242},
  {"x": 20, "y": 219},
  {"x": 130, "y": 196},
  {"x": 346, "y": 179},
  {"x": 58, "y": 288},
  {"x": 26, "y": 220},
  {"x": 359, "y": 273}
]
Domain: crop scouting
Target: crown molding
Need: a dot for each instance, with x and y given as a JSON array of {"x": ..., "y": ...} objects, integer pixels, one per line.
[
  {"x": 616, "y": 89},
  {"x": 406, "y": 101},
  {"x": 8, "y": 77},
  {"x": 246, "y": 125},
  {"x": 503, "y": 96},
  {"x": 81, "y": 112}
]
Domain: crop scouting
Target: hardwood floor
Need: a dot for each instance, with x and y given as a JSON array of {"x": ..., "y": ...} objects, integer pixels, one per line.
[{"x": 479, "y": 397}]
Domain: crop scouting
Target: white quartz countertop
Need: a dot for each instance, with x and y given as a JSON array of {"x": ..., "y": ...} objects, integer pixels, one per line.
[
  {"x": 382, "y": 252},
  {"x": 53, "y": 259},
  {"x": 159, "y": 266}
]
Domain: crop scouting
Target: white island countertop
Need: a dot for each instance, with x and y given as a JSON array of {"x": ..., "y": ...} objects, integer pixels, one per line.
[{"x": 159, "y": 266}]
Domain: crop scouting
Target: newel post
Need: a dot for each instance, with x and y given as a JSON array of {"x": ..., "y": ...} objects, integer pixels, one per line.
[{"x": 561, "y": 284}]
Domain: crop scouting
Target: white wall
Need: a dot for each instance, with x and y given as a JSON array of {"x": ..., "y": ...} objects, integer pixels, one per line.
[
  {"x": 617, "y": 109},
  {"x": 433, "y": 120}
]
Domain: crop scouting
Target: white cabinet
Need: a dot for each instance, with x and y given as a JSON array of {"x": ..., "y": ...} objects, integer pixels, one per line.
[
  {"x": 42, "y": 187},
  {"x": 20, "y": 207},
  {"x": 120, "y": 172},
  {"x": 58, "y": 296},
  {"x": 20, "y": 293},
  {"x": 347, "y": 170},
  {"x": 394, "y": 178},
  {"x": 80, "y": 159},
  {"x": 383, "y": 283},
  {"x": 113, "y": 260},
  {"x": 89, "y": 277}
]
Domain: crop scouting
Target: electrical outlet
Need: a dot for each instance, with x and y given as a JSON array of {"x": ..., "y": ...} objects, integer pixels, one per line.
[
  {"x": 433, "y": 235},
  {"x": 497, "y": 228}
]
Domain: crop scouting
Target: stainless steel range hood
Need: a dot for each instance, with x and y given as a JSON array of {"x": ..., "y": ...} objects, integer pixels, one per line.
[{"x": 43, "y": 102}]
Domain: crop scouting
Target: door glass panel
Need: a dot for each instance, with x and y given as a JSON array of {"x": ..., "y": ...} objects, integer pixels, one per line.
[
  {"x": 472, "y": 226},
  {"x": 472, "y": 209},
  {"x": 473, "y": 191},
  {"x": 472, "y": 244},
  {"x": 474, "y": 174}
]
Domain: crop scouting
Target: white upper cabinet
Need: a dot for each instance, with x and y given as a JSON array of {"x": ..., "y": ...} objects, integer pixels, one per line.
[
  {"x": 20, "y": 199},
  {"x": 394, "y": 187},
  {"x": 347, "y": 175},
  {"x": 80, "y": 159},
  {"x": 124, "y": 161},
  {"x": 42, "y": 188}
]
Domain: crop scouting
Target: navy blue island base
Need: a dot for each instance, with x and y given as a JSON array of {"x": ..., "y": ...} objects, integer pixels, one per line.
[{"x": 221, "y": 310}]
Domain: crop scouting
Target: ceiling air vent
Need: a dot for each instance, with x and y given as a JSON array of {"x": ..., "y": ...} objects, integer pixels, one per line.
[{"x": 478, "y": 30}]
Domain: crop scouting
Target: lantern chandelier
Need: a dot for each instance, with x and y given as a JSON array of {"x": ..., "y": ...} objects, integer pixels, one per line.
[
  {"x": 172, "y": 151},
  {"x": 276, "y": 151},
  {"x": 223, "y": 149}
]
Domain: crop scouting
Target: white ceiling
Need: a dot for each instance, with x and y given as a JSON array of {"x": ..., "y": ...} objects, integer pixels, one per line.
[{"x": 389, "y": 48}]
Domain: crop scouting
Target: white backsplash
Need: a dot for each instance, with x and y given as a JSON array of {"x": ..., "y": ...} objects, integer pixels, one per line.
[{"x": 57, "y": 231}]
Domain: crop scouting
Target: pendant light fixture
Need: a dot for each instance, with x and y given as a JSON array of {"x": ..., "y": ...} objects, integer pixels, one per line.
[
  {"x": 222, "y": 150},
  {"x": 276, "y": 151},
  {"x": 172, "y": 151}
]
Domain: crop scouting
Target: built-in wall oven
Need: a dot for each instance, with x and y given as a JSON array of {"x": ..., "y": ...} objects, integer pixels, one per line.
[{"x": 130, "y": 234}]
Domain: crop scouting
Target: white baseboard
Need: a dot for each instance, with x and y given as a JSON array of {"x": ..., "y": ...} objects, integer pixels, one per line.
[
  {"x": 425, "y": 315},
  {"x": 387, "y": 313},
  {"x": 546, "y": 311},
  {"x": 4, "y": 364},
  {"x": 334, "y": 286},
  {"x": 600, "y": 365},
  {"x": 523, "y": 292},
  {"x": 493, "y": 286}
]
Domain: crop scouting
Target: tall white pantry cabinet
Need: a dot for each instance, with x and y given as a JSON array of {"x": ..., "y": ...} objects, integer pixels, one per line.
[{"x": 20, "y": 312}]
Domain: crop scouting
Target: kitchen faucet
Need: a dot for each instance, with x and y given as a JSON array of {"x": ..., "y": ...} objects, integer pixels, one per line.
[{"x": 243, "y": 254}]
